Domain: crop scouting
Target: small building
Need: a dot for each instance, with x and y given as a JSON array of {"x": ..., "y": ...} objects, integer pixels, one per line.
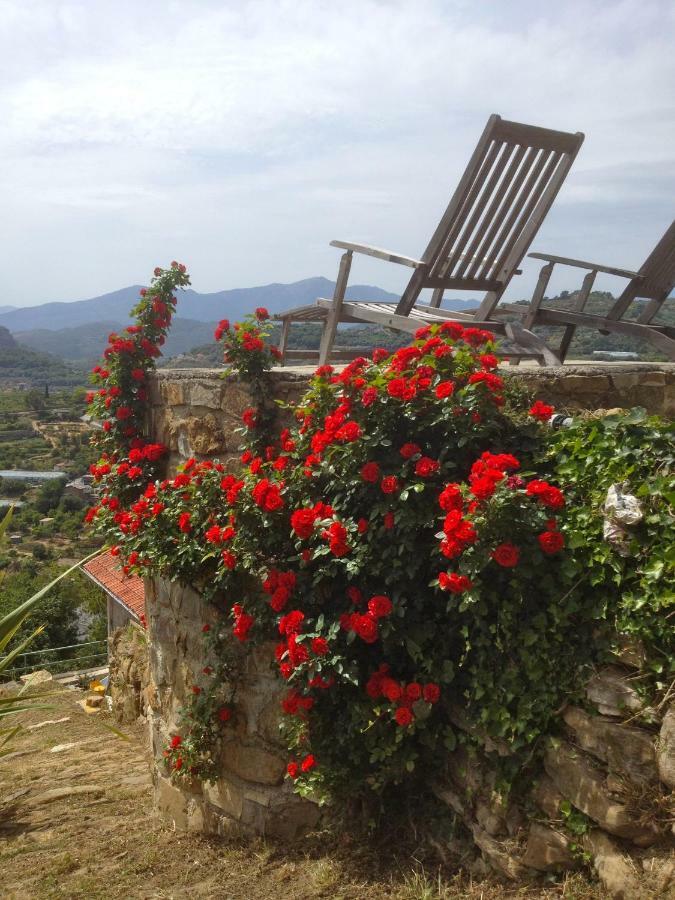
[
  {"x": 81, "y": 488},
  {"x": 126, "y": 593}
]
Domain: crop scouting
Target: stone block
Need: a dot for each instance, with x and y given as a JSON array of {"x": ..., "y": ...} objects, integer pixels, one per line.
[
  {"x": 547, "y": 797},
  {"x": 624, "y": 749},
  {"x": 253, "y": 763},
  {"x": 615, "y": 872},
  {"x": 173, "y": 392},
  {"x": 205, "y": 394},
  {"x": 171, "y": 803},
  {"x": 572, "y": 385},
  {"x": 226, "y": 796},
  {"x": 288, "y": 820},
  {"x": 584, "y": 786},
  {"x": 612, "y": 693},
  {"x": 666, "y": 748},
  {"x": 547, "y": 850}
]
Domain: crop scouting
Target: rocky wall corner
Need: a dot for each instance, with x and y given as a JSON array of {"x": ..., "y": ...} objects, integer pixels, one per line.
[{"x": 251, "y": 795}]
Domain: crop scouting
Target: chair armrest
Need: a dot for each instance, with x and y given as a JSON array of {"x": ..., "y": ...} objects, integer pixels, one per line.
[
  {"x": 387, "y": 255},
  {"x": 581, "y": 264}
]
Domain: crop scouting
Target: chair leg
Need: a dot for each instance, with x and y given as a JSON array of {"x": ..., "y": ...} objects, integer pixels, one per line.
[
  {"x": 542, "y": 283},
  {"x": 333, "y": 316},
  {"x": 532, "y": 341},
  {"x": 283, "y": 340},
  {"x": 578, "y": 307},
  {"x": 437, "y": 297}
]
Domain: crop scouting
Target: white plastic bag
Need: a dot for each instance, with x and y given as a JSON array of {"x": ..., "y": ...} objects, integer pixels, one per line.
[{"x": 622, "y": 512}]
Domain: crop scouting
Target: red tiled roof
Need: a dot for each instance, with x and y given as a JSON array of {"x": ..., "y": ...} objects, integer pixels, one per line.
[{"x": 106, "y": 571}]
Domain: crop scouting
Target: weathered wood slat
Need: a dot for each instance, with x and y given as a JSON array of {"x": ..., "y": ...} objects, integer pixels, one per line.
[
  {"x": 582, "y": 264},
  {"x": 378, "y": 253}
]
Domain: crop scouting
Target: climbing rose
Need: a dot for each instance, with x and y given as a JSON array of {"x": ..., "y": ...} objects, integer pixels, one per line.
[
  {"x": 541, "y": 411},
  {"x": 451, "y": 581},
  {"x": 302, "y": 522},
  {"x": 407, "y": 451},
  {"x": 426, "y": 467},
  {"x": 431, "y": 693},
  {"x": 370, "y": 472},
  {"x": 380, "y": 606},
  {"x": 551, "y": 541},
  {"x": 184, "y": 522},
  {"x": 293, "y": 769},
  {"x": 403, "y": 716},
  {"x": 389, "y": 484},
  {"x": 445, "y": 389},
  {"x": 506, "y": 555},
  {"x": 308, "y": 763}
]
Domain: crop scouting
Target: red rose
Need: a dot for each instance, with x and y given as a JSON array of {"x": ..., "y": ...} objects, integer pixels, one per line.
[
  {"x": 407, "y": 451},
  {"x": 184, "y": 522},
  {"x": 389, "y": 520},
  {"x": 365, "y": 626},
  {"x": 391, "y": 689},
  {"x": 224, "y": 714},
  {"x": 431, "y": 693},
  {"x": 293, "y": 769},
  {"x": 413, "y": 691},
  {"x": 319, "y": 646},
  {"x": 450, "y": 498},
  {"x": 551, "y": 541},
  {"x": 506, "y": 555},
  {"x": 541, "y": 411},
  {"x": 389, "y": 484},
  {"x": 370, "y": 472},
  {"x": 176, "y": 741},
  {"x": 445, "y": 389},
  {"x": 302, "y": 522},
  {"x": 426, "y": 467},
  {"x": 261, "y": 314},
  {"x": 308, "y": 763},
  {"x": 380, "y": 606},
  {"x": 456, "y": 584},
  {"x": 403, "y": 716}
]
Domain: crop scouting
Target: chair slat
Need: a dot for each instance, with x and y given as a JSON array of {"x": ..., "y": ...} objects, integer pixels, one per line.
[
  {"x": 483, "y": 254},
  {"x": 498, "y": 198},
  {"x": 454, "y": 258},
  {"x": 536, "y": 195},
  {"x": 472, "y": 193},
  {"x": 489, "y": 266}
]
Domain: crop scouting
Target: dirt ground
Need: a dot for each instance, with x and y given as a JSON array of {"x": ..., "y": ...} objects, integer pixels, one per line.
[{"x": 76, "y": 821}]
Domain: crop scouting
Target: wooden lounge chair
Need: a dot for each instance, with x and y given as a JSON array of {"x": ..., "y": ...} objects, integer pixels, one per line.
[
  {"x": 654, "y": 282},
  {"x": 502, "y": 198}
]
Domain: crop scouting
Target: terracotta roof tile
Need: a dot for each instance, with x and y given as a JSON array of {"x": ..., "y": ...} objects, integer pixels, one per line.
[{"x": 106, "y": 571}]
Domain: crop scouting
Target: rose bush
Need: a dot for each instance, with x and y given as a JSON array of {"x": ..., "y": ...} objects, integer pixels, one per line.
[{"x": 397, "y": 540}]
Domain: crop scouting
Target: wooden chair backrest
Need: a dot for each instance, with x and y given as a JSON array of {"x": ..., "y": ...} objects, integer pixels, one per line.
[
  {"x": 658, "y": 270},
  {"x": 508, "y": 187}
]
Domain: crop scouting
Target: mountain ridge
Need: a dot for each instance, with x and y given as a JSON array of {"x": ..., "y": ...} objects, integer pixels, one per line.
[{"x": 233, "y": 303}]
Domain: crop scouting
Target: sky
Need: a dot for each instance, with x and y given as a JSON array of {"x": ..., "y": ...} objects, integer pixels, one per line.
[{"x": 242, "y": 137}]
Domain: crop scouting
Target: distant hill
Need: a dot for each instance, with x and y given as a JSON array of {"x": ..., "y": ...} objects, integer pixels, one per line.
[
  {"x": 21, "y": 364},
  {"x": 83, "y": 325},
  {"x": 86, "y": 342},
  {"x": 4, "y": 309},
  {"x": 233, "y": 304}
]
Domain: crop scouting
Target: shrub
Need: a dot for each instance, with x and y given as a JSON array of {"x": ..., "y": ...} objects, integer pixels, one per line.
[{"x": 403, "y": 542}]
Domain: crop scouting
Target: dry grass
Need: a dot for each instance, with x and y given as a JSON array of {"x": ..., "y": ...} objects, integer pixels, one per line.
[{"x": 109, "y": 845}]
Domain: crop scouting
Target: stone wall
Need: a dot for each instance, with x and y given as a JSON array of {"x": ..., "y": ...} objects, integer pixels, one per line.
[
  {"x": 250, "y": 796},
  {"x": 601, "y": 768},
  {"x": 195, "y": 411}
]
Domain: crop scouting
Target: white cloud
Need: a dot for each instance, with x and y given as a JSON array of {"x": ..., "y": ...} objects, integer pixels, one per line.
[{"x": 243, "y": 136}]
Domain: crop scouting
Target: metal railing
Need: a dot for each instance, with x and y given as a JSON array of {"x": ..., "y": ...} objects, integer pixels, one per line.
[{"x": 64, "y": 663}]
